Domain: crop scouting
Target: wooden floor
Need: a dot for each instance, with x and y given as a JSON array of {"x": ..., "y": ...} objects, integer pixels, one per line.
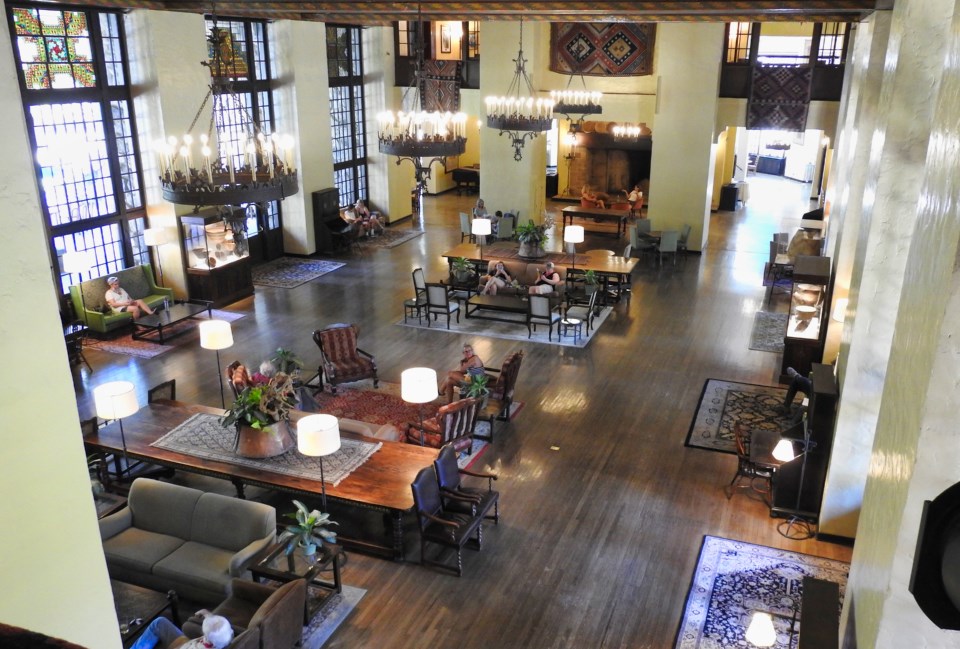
[{"x": 598, "y": 539}]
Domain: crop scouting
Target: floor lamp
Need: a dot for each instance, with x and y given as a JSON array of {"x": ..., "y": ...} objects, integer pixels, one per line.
[
  {"x": 154, "y": 238},
  {"x": 762, "y": 633},
  {"x": 481, "y": 228},
  {"x": 317, "y": 436},
  {"x": 216, "y": 335},
  {"x": 77, "y": 263},
  {"x": 796, "y": 527},
  {"x": 419, "y": 385},
  {"x": 116, "y": 400},
  {"x": 573, "y": 234}
]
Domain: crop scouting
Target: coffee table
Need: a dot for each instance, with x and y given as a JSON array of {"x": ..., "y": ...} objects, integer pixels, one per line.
[
  {"x": 155, "y": 323},
  {"x": 137, "y": 607},
  {"x": 276, "y": 565},
  {"x": 497, "y": 304}
]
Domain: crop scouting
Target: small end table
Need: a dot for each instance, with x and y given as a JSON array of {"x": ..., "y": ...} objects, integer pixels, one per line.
[
  {"x": 275, "y": 564},
  {"x": 571, "y": 328}
]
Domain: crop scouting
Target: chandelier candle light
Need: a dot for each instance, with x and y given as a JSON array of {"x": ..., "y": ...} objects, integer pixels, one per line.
[
  {"x": 516, "y": 115},
  {"x": 576, "y": 102}
]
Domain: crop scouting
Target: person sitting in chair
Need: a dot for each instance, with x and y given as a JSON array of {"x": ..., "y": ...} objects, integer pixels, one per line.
[
  {"x": 469, "y": 364},
  {"x": 798, "y": 383},
  {"x": 217, "y": 634},
  {"x": 591, "y": 197},
  {"x": 497, "y": 280},
  {"x": 547, "y": 281},
  {"x": 369, "y": 219},
  {"x": 121, "y": 302}
]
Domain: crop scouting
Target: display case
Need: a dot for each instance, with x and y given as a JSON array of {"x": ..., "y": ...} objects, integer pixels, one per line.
[
  {"x": 809, "y": 310},
  {"x": 217, "y": 257}
]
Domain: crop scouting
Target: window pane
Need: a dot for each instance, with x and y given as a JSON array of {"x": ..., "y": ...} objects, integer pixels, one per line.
[
  {"x": 112, "y": 51},
  {"x": 59, "y": 39},
  {"x": 141, "y": 253},
  {"x": 103, "y": 246},
  {"x": 123, "y": 132}
]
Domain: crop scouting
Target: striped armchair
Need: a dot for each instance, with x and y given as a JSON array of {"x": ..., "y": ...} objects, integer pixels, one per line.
[{"x": 341, "y": 361}]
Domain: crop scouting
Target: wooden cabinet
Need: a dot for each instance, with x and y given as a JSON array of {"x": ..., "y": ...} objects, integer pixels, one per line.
[{"x": 809, "y": 310}]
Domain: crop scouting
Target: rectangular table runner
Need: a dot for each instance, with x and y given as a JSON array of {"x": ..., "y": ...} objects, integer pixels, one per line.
[{"x": 203, "y": 436}]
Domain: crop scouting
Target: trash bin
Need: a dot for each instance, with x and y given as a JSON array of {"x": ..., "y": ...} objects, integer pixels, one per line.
[{"x": 728, "y": 198}]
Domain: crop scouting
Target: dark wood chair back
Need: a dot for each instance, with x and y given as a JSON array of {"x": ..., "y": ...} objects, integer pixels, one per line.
[{"x": 165, "y": 390}]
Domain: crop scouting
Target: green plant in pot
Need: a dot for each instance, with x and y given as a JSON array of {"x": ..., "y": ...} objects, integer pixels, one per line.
[
  {"x": 311, "y": 530},
  {"x": 591, "y": 282},
  {"x": 461, "y": 268},
  {"x": 287, "y": 362},
  {"x": 476, "y": 387},
  {"x": 532, "y": 237},
  {"x": 260, "y": 414}
]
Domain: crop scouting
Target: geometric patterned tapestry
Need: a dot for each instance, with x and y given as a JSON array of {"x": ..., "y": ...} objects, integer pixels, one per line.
[
  {"x": 779, "y": 97},
  {"x": 440, "y": 86},
  {"x": 602, "y": 49}
]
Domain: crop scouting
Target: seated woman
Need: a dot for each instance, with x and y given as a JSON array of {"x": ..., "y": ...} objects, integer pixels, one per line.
[
  {"x": 369, "y": 219},
  {"x": 480, "y": 210},
  {"x": 469, "y": 364},
  {"x": 547, "y": 281},
  {"x": 590, "y": 198},
  {"x": 499, "y": 279}
]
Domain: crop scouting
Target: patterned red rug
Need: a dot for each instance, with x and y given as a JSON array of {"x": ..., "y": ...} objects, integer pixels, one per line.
[{"x": 178, "y": 334}]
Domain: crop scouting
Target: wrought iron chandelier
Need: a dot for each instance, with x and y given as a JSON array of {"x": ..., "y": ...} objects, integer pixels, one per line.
[
  {"x": 257, "y": 170},
  {"x": 575, "y": 105},
  {"x": 520, "y": 116},
  {"x": 419, "y": 134}
]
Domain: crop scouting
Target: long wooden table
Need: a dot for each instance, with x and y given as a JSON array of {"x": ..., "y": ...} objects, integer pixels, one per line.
[
  {"x": 597, "y": 214},
  {"x": 381, "y": 484},
  {"x": 610, "y": 265}
]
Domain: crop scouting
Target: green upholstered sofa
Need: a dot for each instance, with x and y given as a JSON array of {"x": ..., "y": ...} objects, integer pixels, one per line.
[
  {"x": 137, "y": 281},
  {"x": 171, "y": 536}
]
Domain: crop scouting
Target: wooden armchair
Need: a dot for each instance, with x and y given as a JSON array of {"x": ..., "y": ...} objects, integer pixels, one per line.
[
  {"x": 453, "y": 424},
  {"x": 480, "y": 501},
  {"x": 502, "y": 387},
  {"x": 439, "y": 525},
  {"x": 341, "y": 361}
]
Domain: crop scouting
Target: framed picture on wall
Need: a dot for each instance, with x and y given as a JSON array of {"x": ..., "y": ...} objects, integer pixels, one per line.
[{"x": 445, "y": 46}]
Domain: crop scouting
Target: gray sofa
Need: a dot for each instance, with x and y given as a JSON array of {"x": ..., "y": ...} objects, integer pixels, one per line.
[
  {"x": 92, "y": 308},
  {"x": 175, "y": 537}
]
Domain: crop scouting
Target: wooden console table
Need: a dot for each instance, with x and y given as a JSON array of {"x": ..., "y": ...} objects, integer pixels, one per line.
[
  {"x": 596, "y": 215},
  {"x": 381, "y": 484}
]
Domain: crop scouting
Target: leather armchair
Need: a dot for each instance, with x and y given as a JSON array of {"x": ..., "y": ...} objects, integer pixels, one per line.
[
  {"x": 438, "y": 525},
  {"x": 341, "y": 360},
  {"x": 453, "y": 424}
]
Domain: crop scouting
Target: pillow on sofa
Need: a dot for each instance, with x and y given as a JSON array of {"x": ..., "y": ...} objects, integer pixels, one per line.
[{"x": 93, "y": 291}]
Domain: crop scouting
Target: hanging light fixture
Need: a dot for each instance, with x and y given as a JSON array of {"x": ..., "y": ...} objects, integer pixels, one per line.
[
  {"x": 516, "y": 115},
  {"x": 205, "y": 170},
  {"x": 417, "y": 133},
  {"x": 575, "y": 105}
]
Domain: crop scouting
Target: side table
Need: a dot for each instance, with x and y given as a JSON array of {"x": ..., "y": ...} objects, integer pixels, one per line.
[
  {"x": 137, "y": 607},
  {"x": 571, "y": 328},
  {"x": 275, "y": 564}
]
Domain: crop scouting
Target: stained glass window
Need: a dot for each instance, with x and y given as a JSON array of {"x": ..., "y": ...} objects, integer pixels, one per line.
[
  {"x": 347, "y": 122},
  {"x": 54, "y": 47}
]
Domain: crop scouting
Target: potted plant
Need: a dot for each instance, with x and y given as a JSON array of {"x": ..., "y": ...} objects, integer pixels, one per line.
[
  {"x": 532, "y": 237},
  {"x": 476, "y": 388},
  {"x": 309, "y": 531},
  {"x": 591, "y": 282},
  {"x": 462, "y": 269},
  {"x": 287, "y": 362},
  {"x": 260, "y": 414}
]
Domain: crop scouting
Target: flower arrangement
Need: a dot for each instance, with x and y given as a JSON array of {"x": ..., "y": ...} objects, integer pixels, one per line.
[{"x": 263, "y": 400}]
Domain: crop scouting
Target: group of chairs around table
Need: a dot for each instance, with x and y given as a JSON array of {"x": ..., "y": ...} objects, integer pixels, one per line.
[{"x": 671, "y": 242}]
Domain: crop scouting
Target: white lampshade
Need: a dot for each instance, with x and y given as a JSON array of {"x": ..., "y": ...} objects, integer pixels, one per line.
[
  {"x": 115, "y": 400},
  {"x": 157, "y": 236},
  {"x": 783, "y": 451},
  {"x": 761, "y": 633},
  {"x": 573, "y": 234},
  {"x": 481, "y": 227},
  {"x": 318, "y": 435},
  {"x": 418, "y": 385},
  {"x": 75, "y": 262},
  {"x": 215, "y": 334}
]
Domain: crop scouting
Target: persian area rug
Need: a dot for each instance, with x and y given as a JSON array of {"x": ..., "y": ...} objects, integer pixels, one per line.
[
  {"x": 329, "y": 618},
  {"x": 125, "y": 344},
  {"x": 602, "y": 49},
  {"x": 203, "y": 436},
  {"x": 768, "y": 331},
  {"x": 779, "y": 97},
  {"x": 288, "y": 272},
  {"x": 389, "y": 238},
  {"x": 516, "y": 330},
  {"x": 733, "y": 579},
  {"x": 725, "y": 403}
]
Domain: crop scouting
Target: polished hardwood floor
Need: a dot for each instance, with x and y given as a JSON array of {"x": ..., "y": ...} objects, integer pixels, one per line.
[{"x": 603, "y": 508}]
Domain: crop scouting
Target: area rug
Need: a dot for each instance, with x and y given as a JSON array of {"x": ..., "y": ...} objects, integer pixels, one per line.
[
  {"x": 288, "y": 272},
  {"x": 173, "y": 336},
  {"x": 768, "y": 331},
  {"x": 733, "y": 579},
  {"x": 390, "y": 238},
  {"x": 203, "y": 436},
  {"x": 725, "y": 403},
  {"x": 516, "y": 330},
  {"x": 329, "y": 618}
]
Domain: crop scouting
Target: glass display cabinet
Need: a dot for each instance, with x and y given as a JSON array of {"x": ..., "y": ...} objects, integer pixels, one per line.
[
  {"x": 809, "y": 311},
  {"x": 217, "y": 257}
]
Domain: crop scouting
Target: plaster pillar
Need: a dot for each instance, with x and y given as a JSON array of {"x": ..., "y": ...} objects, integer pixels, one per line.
[
  {"x": 683, "y": 132},
  {"x": 915, "y": 454},
  {"x": 919, "y": 34}
]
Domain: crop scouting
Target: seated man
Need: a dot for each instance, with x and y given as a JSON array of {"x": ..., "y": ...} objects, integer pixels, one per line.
[
  {"x": 120, "y": 301},
  {"x": 798, "y": 383},
  {"x": 217, "y": 633},
  {"x": 547, "y": 281}
]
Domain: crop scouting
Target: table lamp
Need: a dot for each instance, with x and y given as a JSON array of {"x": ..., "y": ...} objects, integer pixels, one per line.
[
  {"x": 116, "y": 400},
  {"x": 761, "y": 633},
  {"x": 154, "y": 238},
  {"x": 216, "y": 335},
  {"x": 573, "y": 234},
  {"x": 317, "y": 436},
  {"x": 419, "y": 385},
  {"x": 77, "y": 263},
  {"x": 481, "y": 228}
]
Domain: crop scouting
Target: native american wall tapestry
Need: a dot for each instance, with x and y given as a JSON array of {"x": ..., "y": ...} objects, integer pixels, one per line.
[
  {"x": 440, "y": 86},
  {"x": 602, "y": 49},
  {"x": 779, "y": 97}
]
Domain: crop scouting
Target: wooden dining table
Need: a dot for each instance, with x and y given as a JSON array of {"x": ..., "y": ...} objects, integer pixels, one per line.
[
  {"x": 380, "y": 484},
  {"x": 611, "y": 265}
]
